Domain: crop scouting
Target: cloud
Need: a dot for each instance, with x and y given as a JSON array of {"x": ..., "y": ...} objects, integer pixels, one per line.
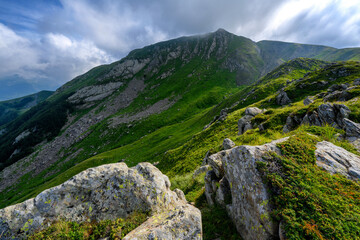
[
  {"x": 51, "y": 41},
  {"x": 52, "y": 58},
  {"x": 325, "y": 22}
]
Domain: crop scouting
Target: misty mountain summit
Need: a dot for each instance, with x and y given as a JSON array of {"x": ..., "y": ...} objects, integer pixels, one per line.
[{"x": 211, "y": 136}]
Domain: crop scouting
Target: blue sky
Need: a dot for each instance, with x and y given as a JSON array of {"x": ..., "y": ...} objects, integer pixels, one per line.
[{"x": 45, "y": 43}]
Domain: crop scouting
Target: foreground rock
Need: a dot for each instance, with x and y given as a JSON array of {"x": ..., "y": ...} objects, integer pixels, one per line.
[
  {"x": 335, "y": 159},
  {"x": 235, "y": 183},
  {"x": 105, "y": 192},
  {"x": 178, "y": 223}
]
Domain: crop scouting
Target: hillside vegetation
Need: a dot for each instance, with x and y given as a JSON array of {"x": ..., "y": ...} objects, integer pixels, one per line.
[{"x": 158, "y": 115}]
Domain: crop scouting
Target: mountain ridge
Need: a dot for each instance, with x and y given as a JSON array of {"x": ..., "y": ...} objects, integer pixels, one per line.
[{"x": 153, "y": 106}]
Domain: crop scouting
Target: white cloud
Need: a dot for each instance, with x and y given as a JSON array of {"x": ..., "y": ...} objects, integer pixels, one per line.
[{"x": 17, "y": 55}]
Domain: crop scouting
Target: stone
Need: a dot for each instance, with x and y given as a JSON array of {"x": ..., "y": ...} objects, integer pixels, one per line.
[
  {"x": 248, "y": 204},
  {"x": 356, "y": 81},
  {"x": 215, "y": 161},
  {"x": 338, "y": 96},
  {"x": 253, "y": 111},
  {"x": 228, "y": 144},
  {"x": 182, "y": 222},
  {"x": 244, "y": 123},
  {"x": 105, "y": 192},
  {"x": 223, "y": 194},
  {"x": 352, "y": 129},
  {"x": 210, "y": 177},
  {"x": 307, "y": 101},
  {"x": 335, "y": 159},
  {"x": 282, "y": 99}
]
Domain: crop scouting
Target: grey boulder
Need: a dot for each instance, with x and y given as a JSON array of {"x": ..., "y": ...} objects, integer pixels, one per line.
[
  {"x": 105, "y": 192},
  {"x": 335, "y": 159},
  {"x": 282, "y": 99}
]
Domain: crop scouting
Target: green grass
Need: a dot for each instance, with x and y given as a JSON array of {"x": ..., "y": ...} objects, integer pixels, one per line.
[
  {"x": 113, "y": 229},
  {"x": 312, "y": 203}
]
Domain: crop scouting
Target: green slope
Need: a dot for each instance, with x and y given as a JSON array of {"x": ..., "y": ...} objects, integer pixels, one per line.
[{"x": 11, "y": 109}]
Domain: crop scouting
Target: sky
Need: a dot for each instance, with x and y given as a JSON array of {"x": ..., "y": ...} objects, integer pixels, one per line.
[{"x": 45, "y": 43}]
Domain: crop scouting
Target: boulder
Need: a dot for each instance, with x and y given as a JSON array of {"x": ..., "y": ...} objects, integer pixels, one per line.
[
  {"x": 210, "y": 187},
  {"x": 253, "y": 111},
  {"x": 357, "y": 81},
  {"x": 182, "y": 222},
  {"x": 331, "y": 114},
  {"x": 239, "y": 187},
  {"x": 105, "y": 192},
  {"x": 352, "y": 129},
  {"x": 244, "y": 123},
  {"x": 335, "y": 159},
  {"x": 282, "y": 99},
  {"x": 307, "y": 101},
  {"x": 228, "y": 144}
]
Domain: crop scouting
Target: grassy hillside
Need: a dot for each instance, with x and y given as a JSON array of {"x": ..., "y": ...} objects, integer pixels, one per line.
[
  {"x": 186, "y": 153},
  {"x": 11, "y": 109},
  {"x": 197, "y": 77}
]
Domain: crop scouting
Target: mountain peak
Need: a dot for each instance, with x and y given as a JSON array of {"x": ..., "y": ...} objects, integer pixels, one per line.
[{"x": 222, "y": 31}]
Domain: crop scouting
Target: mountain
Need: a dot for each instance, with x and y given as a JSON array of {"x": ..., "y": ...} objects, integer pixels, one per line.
[
  {"x": 173, "y": 102},
  {"x": 11, "y": 109}
]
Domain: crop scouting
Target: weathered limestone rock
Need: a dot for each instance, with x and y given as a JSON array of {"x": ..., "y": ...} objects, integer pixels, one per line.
[
  {"x": 357, "y": 81},
  {"x": 307, "y": 101},
  {"x": 335, "y": 159},
  {"x": 95, "y": 93},
  {"x": 352, "y": 129},
  {"x": 182, "y": 222},
  {"x": 210, "y": 187},
  {"x": 228, "y": 144},
  {"x": 105, "y": 192},
  {"x": 241, "y": 183},
  {"x": 282, "y": 99},
  {"x": 244, "y": 123},
  {"x": 253, "y": 111},
  {"x": 332, "y": 114}
]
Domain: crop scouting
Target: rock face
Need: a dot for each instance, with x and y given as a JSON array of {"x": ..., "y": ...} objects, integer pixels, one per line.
[
  {"x": 182, "y": 222},
  {"x": 236, "y": 184},
  {"x": 307, "y": 101},
  {"x": 282, "y": 99},
  {"x": 105, "y": 192},
  {"x": 228, "y": 144},
  {"x": 331, "y": 114},
  {"x": 244, "y": 123},
  {"x": 335, "y": 159}
]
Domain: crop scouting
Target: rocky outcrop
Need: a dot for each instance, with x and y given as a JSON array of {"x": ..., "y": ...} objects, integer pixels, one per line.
[
  {"x": 244, "y": 123},
  {"x": 228, "y": 144},
  {"x": 331, "y": 114},
  {"x": 94, "y": 93},
  {"x": 308, "y": 101},
  {"x": 282, "y": 99},
  {"x": 105, "y": 192},
  {"x": 182, "y": 222},
  {"x": 236, "y": 184},
  {"x": 352, "y": 129},
  {"x": 335, "y": 159}
]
